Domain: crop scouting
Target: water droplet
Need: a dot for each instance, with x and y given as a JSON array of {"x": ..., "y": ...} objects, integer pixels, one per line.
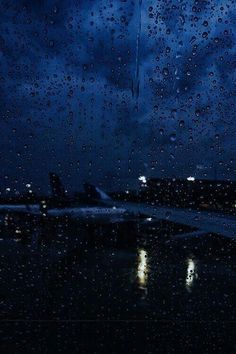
[
  {"x": 168, "y": 214},
  {"x": 173, "y": 137},
  {"x": 165, "y": 71}
]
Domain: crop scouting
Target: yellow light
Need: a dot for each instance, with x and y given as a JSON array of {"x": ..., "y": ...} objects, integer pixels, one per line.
[{"x": 142, "y": 272}]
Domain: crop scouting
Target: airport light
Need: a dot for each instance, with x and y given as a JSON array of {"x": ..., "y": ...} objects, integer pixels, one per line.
[
  {"x": 191, "y": 179},
  {"x": 143, "y": 179}
]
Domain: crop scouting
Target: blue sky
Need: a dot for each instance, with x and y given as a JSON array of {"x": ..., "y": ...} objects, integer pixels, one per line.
[{"x": 69, "y": 98}]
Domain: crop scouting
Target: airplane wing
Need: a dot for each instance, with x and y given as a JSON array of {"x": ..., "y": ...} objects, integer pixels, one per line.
[{"x": 205, "y": 221}]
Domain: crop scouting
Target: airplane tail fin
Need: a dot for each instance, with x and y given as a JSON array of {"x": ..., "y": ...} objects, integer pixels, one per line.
[
  {"x": 95, "y": 193},
  {"x": 57, "y": 188}
]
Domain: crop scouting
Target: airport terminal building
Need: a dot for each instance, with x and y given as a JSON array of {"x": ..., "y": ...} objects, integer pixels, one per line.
[{"x": 196, "y": 193}]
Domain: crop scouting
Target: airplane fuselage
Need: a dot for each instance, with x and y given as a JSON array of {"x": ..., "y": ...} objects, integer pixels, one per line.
[
  {"x": 76, "y": 212},
  {"x": 87, "y": 211}
]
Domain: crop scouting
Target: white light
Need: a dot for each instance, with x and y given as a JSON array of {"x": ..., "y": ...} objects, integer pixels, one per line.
[
  {"x": 8, "y": 189},
  {"x": 191, "y": 273},
  {"x": 149, "y": 219},
  {"x": 191, "y": 178},
  {"x": 143, "y": 179},
  {"x": 28, "y": 185}
]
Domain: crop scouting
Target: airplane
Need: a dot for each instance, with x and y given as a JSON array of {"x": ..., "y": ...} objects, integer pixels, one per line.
[
  {"x": 97, "y": 206},
  {"x": 49, "y": 225},
  {"x": 90, "y": 206}
]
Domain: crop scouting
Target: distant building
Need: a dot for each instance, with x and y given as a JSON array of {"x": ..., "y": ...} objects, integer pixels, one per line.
[{"x": 192, "y": 192}]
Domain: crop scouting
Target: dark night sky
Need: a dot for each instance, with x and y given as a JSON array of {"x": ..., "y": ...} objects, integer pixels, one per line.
[{"x": 69, "y": 98}]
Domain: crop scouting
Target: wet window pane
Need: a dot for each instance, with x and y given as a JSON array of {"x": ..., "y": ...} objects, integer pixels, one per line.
[{"x": 117, "y": 183}]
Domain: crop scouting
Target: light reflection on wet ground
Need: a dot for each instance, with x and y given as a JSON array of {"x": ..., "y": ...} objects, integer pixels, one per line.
[
  {"x": 68, "y": 271},
  {"x": 127, "y": 279}
]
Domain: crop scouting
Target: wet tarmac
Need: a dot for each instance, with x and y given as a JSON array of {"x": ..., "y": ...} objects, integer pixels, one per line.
[{"x": 123, "y": 281}]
